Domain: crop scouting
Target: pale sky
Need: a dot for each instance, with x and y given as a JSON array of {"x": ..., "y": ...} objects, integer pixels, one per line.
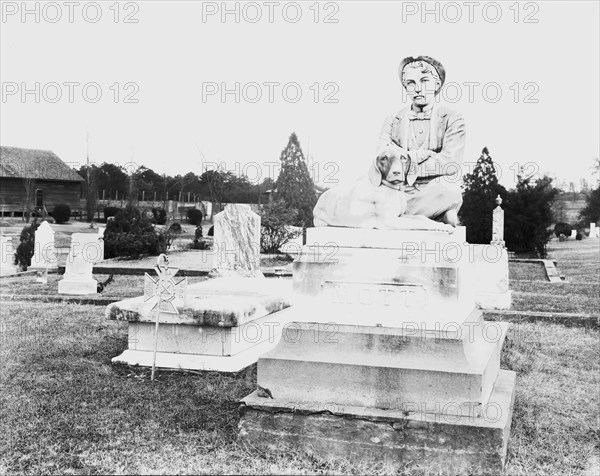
[{"x": 542, "y": 57}]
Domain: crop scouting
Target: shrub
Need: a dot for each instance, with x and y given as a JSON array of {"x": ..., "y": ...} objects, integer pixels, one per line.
[
  {"x": 159, "y": 216},
  {"x": 528, "y": 216},
  {"x": 61, "y": 213},
  {"x": 175, "y": 228},
  {"x": 25, "y": 249},
  {"x": 111, "y": 212},
  {"x": 132, "y": 234},
  {"x": 194, "y": 216},
  {"x": 578, "y": 236},
  {"x": 275, "y": 231},
  {"x": 562, "y": 229}
]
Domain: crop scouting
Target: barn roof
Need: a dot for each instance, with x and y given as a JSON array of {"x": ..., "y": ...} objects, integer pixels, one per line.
[{"x": 37, "y": 164}]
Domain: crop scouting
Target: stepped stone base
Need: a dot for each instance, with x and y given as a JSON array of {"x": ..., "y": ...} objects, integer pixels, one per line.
[{"x": 437, "y": 443}]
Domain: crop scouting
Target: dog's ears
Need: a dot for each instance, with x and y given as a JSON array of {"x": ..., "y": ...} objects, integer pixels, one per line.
[{"x": 374, "y": 173}]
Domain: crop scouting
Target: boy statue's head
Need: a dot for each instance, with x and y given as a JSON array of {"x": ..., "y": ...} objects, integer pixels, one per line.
[{"x": 422, "y": 77}]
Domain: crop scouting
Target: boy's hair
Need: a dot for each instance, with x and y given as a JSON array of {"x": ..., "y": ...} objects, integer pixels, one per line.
[{"x": 428, "y": 65}]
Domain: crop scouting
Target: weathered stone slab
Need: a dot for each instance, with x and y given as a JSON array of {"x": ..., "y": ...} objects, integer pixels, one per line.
[
  {"x": 223, "y": 341},
  {"x": 221, "y": 302},
  {"x": 237, "y": 242},
  {"x": 223, "y": 324},
  {"x": 44, "y": 252},
  {"x": 222, "y": 349},
  {"x": 437, "y": 444}
]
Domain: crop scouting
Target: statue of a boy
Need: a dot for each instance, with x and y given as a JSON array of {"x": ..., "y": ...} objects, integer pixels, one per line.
[{"x": 433, "y": 136}]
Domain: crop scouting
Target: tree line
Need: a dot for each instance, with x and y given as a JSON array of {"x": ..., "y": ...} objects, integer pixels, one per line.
[{"x": 294, "y": 186}]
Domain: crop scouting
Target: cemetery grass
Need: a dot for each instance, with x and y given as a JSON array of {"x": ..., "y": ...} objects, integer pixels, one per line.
[
  {"x": 64, "y": 408},
  {"x": 579, "y": 262},
  {"x": 122, "y": 286}
]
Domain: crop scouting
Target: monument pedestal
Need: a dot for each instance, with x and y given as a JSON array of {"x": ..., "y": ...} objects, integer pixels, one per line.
[
  {"x": 491, "y": 276},
  {"x": 387, "y": 357},
  {"x": 223, "y": 325},
  {"x": 438, "y": 444}
]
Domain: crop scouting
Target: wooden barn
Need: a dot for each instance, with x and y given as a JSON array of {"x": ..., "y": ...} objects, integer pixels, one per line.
[{"x": 40, "y": 175}]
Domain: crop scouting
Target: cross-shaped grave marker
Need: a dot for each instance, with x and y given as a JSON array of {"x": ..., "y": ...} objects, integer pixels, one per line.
[{"x": 163, "y": 291}]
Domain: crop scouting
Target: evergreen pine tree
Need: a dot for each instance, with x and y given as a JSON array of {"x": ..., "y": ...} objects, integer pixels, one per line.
[
  {"x": 481, "y": 188},
  {"x": 294, "y": 185}
]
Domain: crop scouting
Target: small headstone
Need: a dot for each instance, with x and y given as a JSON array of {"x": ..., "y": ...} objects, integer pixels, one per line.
[
  {"x": 44, "y": 252},
  {"x": 86, "y": 250},
  {"x": 573, "y": 233},
  {"x": 592, "y": 230},
  {"x": 7, "y": 256},
  {"x": 237, "y": 242}
]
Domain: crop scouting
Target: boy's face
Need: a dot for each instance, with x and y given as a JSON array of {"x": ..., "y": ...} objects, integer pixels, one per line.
[{"x": 421, "y": 87}]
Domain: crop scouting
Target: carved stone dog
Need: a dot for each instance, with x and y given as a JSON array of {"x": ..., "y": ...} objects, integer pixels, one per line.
[{"x": 375, "y": 200}]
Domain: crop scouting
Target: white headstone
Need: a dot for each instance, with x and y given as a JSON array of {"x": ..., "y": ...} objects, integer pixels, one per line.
[
  {"x": 86, "y": 250},
  {"x": 592, "y": 230},
  {"x": 44, "y": 252},
  {"x": 237, "y": 242},
  {"x": 573, "y": 233},
  {"x": 498, "y": 224},
  {"x": 7, "y": 258}
]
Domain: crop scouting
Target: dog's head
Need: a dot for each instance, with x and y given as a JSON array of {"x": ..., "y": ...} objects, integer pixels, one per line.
[{"x": 390, "y": 165}]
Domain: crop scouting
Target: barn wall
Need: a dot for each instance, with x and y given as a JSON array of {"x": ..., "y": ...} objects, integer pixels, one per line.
[{"x": 12, "y": 194}]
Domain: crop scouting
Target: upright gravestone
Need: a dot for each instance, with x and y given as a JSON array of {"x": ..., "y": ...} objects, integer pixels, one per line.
[
  {"x": 44, "y": 252},
  {"x": 573, "y": 233},
  {"x": 592, "y": 230},
  {"x": 7, "y": 259},
  {"x": 237, "y": 242},
  {"x": 498, "y": 224},
  {"x": 86, "y": 250}
]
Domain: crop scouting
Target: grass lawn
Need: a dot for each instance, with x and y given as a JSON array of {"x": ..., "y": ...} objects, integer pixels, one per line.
[
  {"x": 64, "y": 408},
  {"x": 122, "y": 286},
  {"x": 579, "y": 262}
]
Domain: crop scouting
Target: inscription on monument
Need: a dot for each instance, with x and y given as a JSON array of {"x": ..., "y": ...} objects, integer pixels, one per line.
[{"x": 374, "y": 294}]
